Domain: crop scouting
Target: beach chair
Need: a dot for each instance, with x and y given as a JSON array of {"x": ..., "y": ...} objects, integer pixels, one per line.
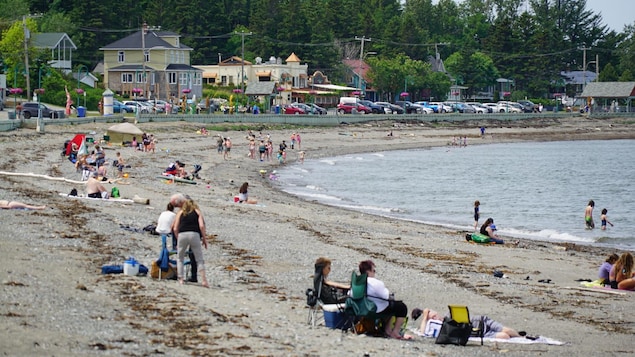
[
  {"x": 359, "y": 306},
  {"x": 461, "y": 314},
  {"x": 317, "y": 307}
]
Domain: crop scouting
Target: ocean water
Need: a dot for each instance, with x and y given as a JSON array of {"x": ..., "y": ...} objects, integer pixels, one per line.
[{"x": 533, "y": 190}]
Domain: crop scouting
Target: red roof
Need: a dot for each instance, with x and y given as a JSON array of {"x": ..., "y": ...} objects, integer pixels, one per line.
[{"x": 358, "y": 66}]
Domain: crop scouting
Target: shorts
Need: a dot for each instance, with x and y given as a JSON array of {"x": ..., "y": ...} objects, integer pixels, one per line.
[
  {"x": 491, "y": 327},
  {"x": 228, "y": 149},
  {"x": 94, "y": 195}
]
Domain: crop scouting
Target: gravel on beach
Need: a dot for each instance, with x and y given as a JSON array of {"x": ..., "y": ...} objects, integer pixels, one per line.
[{"x": 55, "y": 301}]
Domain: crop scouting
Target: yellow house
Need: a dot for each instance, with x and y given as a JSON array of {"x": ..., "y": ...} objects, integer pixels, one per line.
[{"x": 151, "y": 64}]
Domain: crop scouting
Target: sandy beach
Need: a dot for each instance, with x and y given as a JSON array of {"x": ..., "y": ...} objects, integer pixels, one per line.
[{"x": 55, "y": 301}]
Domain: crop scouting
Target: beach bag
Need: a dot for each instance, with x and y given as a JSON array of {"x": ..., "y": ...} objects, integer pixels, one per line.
[
  {"x": 155, "y": 270},
  {"x": 454, "y": 333},
  {"x": 114, "y": 193},
  {"x": 367, "y": 326}
]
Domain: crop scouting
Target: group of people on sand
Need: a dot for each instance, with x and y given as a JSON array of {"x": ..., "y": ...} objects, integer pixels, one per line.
[
  {"x": 336, "y": 293},
  {"x": 618, "y": 271},
  {"x": 189, "y": 236},
  {"x": 488, "y": 228},
  {"x": 261, "y": 147},
  {"x": 148, "y": 143}
]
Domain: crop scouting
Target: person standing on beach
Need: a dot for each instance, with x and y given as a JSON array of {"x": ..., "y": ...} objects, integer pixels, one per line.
[
  {"x": 476, "y": 213},
  {"x": 220, "y": 142},
  {"x": 298, "y": 139},
  {"x": 189, "y": 230},
  {"x": 588, "y": 215},
  {"x": 604, "y": 220},
  {"x": 228, "y": 147}
]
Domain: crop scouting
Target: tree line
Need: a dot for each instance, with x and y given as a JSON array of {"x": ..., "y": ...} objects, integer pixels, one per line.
[{"x": 529, "y": 41}]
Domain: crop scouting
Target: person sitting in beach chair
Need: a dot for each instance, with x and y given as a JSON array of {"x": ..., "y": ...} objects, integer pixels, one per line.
[{"x": 324, "y": 292}]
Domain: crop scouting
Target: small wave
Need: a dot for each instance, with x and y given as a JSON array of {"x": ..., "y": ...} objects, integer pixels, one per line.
[
  {"x": 315, "y": 196},
  {"x": 314, "y": 188},
  {"x": 378, "y": 154},
  {"x": 369, "y": 208},
  {"x": 328, "y": 162}
]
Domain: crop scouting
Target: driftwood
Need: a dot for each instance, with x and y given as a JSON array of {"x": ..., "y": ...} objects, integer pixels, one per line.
[
  {"x": 141, "y": 200},
  {"x": 47, "y": 177}
]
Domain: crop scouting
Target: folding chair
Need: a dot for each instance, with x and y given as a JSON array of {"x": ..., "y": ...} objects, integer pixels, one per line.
[
  {"x": 358, "y": 305},
  {"x": 316, "y": 306},
  {"x": 461, "y": 314}
]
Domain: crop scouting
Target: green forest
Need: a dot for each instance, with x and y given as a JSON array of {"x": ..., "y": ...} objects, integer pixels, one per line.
[{"x": 529, "y": 41}]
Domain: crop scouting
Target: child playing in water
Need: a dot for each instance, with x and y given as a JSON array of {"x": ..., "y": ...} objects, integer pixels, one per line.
[
  {"x": 476, "y": 213},
  {"x": 604, "y": 220}
]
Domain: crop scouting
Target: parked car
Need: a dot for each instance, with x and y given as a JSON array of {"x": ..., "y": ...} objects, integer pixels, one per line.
[
  {"x": 375, "y": 109},
  {"x": 460, "y": 107},
  {"x": 393, "y": 107},
  {"x": 441, "y": 107},
  {"x": 137, "y": 106},
  {"x": 294, "y": 109},
  {"x": 412, "y": 108},
  {"x": 528, "y": 106},
  {"x": 317, "y": 109},
  {"x": 493, "y": 107},
  {"x": 509, "y": 107},
  {"x": 480, "y": 108},
  {"x": 30, "y": 110},
  {"x": 119, "y": 107},
  {"x": 353, "y": 107}
]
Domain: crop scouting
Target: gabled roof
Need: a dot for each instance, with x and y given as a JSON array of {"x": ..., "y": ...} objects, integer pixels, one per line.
[
  {"x": 609, "y": 90},
  {"x": 51, "y": 40},
  {"x": 578, "y": 77},
  {"x": 152, "y": 40},
  {"x": 292, "y": 58},
  {"x": 359, "y": 67},
  {"x": 233, "y": 60},
  {"x": 259, "y": 88}
]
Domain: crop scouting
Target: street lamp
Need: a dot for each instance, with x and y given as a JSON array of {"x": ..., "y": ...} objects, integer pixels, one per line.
[{"x": 137, "y": 107}]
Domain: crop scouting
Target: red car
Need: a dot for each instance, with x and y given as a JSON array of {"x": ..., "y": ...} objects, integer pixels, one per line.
[
  {"x": 347, "y": 108},
  {"x": 291, "y": 109}
]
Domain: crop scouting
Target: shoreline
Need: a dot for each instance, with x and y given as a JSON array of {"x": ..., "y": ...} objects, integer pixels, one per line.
[{"x": 55, "y": 301}]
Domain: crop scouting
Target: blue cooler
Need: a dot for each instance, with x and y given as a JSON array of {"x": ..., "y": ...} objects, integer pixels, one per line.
[{"x": 334, "y": 318}]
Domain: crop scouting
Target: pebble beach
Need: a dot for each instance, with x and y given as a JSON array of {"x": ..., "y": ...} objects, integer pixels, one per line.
[{"x": 54, "y": 301}]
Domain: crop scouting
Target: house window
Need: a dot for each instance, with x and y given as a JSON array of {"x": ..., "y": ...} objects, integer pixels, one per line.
[
  {"x": 126, "y": 78},
  {"x": 183, "y": 79},
  {"x": 146, "y": 56},
  {"x": 198, "y": 78},
  {"x": 141, "y": 77},
  {"x": 172, "y": 77},
  {"x": 223, "y": 80},
  {"x": 121, "y": 57}
]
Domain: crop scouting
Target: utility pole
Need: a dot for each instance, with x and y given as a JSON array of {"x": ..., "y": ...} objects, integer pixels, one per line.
[
  {"x": 27, "y": 36},
  {"x": 363, "y": 39},
  {"x": 242, "y": 58},
  {"x": 144, "y": 31},
  {"x": 584, "y": 66}
]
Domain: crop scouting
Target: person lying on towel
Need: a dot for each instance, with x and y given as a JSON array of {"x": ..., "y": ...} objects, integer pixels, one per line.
[{"x": 493, "y": 329}]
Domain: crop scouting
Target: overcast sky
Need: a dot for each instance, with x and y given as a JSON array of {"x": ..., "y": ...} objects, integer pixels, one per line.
[{"x": 615, "y": 13}]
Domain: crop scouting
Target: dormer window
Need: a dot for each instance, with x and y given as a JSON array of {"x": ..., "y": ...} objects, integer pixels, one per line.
[
  {"x": 121, "y": 57},
  {"x": 146, "y": 56}
]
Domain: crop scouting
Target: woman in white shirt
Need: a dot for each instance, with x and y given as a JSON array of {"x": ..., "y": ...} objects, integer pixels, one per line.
[
  {"x": 386, "y": 305},
  {"x": 164, "y": 224}
]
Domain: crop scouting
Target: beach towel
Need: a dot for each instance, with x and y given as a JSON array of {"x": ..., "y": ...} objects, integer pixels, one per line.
[{"x": 539, "y": 340}]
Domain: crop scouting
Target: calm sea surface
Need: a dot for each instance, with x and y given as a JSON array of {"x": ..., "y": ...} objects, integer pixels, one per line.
[{"x": 532, "y": 190}]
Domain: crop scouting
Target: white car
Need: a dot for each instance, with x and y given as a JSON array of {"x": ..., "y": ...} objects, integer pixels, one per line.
[
  {"x": 509, "y": 107},
  {"x": 137, "y": 106},
  {"x": 480, "y": 108},
  {"x": 444, "y": 107}
]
